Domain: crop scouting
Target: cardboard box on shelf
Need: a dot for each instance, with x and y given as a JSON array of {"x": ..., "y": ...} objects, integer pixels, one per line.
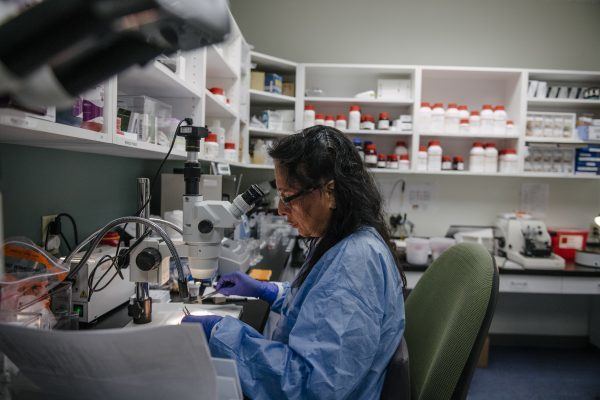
[
  {"x": 289, "y": 89},
  {"x": 273, "y": 83},
  {"x": 257, "y": 80}
]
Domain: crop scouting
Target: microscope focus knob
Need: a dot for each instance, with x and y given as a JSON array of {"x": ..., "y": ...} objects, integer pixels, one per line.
[
  {"x": 205, "y": 226},
  {"x": 148, "y": 259}
]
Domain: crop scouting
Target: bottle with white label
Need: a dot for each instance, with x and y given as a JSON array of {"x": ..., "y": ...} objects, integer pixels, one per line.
[
  {"x": 220, "y": 132},
  {"x": 230, "y": 152},
  {"x": 487, "y": 120},
  {"x": 434, "y": 156},
  {"x": 400, "y": 148},
  {"x": 354, "y": 118},
  {"x": 319, "y": 119},
  {"x": 422, "y": 159},
  {"x": 476, "y": 158},
  {"x": 500, "y": 117},
  {"x": 371, "y": 155},
  {"x": 424, "y": 118},
  {"x": 211, "y": 146},
  {"x": 309, "y": 116},
  {"x": 341, "y": 122},
  {"x": 452, "y": 119},
  {"x": 329, "y": 121},
  {"x": 437, "y": 118},
  {"x": 511, "y": 161},
  {"x": 474, "y": 123},
  {"x": 404, "y": 163},
  {"x": 490, "y": 163},
  {"x": 510, "y": 128},
  {"x": 463, "y": 112}
]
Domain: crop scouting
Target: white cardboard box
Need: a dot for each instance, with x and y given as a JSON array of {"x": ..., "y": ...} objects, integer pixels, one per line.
[{"x": 399, "y": 89}]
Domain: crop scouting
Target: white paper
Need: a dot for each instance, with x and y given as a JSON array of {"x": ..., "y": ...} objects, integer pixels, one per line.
[
  {"x": 169, "y": 362},
  {"x": 419, "y": 196},
  {"x": 534, "y": 198}
]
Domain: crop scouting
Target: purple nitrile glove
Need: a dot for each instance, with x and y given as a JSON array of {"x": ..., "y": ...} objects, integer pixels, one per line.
[
  {"x": 241, "y": 284},
  {"x": 207, "y": 321}
]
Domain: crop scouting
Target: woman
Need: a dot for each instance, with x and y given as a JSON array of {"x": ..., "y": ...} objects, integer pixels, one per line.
[{"x": 343, "y": 316}]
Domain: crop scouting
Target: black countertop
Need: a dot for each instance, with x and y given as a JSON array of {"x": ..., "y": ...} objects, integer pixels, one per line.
[{"x": 571, "y": 269}]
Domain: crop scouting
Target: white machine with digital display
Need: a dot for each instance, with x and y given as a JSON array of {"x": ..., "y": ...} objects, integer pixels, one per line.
[{"x": 526, "y": 241}]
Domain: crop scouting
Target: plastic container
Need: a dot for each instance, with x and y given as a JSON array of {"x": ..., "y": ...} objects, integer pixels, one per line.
[
  {"x": 422, "y": 159},
  {"x": 367, "y": 122},
  {"x": 230, "y": 154},
  {"x": 392, "y": 161},
  {"x": 371, "y": 156},
  {"x": 330, "y": 121},
  {"x": 384, "y": 121},
  {"x": 417, "y": 251},
  {"x": 211, "y": 146},
  {"x": 400, "y": 148},
  {"x": 440, "y": 244},
  {"x": 434, "y": 156},
  {"x": 500, "y": 118},
  {"x": 218, "y": 130},
  {"x": 259, "y": 155},
  {"x": 319, "y": 119},
  {"x": 463, "y": 112},
  {"x": 404, "y": 162},
  {"x": 437, "y": 118},
  {"x": 309, "y": 116},
  {"x": 381, "y": 161},
  {"x": 341, "y": 122},
  {"x": 510, "y": 128},
  {"x": 219, "y": 94},
  {"x": 354, "y": 118},
  {"x": 477, "y": 158},
  {"x": 511, "y": 162},
  {"x": 474, "y": 123},
  {"x": 458, "y": 163},
  {"x": 487, "y": 120},
  {"x": 424, "y": 118},
  {"x": 446, "y": 163},
  {"x": 358, "y": 146},
  {"x": 147, "y": 117},
  {"x": 490, "y": 163},
  {"x": 565, "y": 242},
  {"x": 452, "y": 119},
  {"x": 463, "y": 128}
]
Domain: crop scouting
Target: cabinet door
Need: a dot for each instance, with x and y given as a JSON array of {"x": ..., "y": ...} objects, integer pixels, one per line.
[
  {"x": 581, "y": 285},
  {"x": 530, "y": 284}
]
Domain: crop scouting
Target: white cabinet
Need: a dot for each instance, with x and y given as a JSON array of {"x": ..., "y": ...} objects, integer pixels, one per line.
[{"x": 581, "y": 285}]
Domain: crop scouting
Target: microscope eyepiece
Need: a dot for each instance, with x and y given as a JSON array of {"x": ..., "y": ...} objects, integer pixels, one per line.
[
  {"x": 253, "y": 194},
  {"x": 245, "y": 201}
]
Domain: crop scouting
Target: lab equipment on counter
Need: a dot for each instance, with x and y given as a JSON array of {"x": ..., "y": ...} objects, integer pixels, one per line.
[
  {"x": 527, "y": 242},
  {"x": 417, "y": 251},
  {"x": 91, "y": 307},
  {"x": 440, "y": 244},
  {"x": 589, "y": 258},
  {"x": 566, "y": 241}
]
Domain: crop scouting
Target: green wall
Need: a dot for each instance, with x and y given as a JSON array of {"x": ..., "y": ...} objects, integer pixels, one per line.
[{"x": 92, "y": 188}]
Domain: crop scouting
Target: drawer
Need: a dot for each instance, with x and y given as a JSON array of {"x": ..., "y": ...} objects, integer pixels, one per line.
[
  {"x": 581, "y": 285},
  {"x": 530, "y": 284}
]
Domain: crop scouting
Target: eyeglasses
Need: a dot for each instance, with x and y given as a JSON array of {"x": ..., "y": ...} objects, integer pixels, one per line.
[{"x": 286, "y": 200}]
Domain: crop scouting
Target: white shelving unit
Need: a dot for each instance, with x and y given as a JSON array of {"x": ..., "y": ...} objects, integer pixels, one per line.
[
  {"x": 268, "y": 133},
  {"x": 258, "y": 97},
  {"x": 215, "y": 108}
]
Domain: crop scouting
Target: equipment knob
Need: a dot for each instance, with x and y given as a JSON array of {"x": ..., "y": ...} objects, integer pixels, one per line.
[
  {"x": 205, "y": 226},
  {"x": 148, "y": 259}
]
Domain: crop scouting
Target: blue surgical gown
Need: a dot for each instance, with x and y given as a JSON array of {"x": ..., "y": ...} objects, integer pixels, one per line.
[{"x": 336, "y": 334}]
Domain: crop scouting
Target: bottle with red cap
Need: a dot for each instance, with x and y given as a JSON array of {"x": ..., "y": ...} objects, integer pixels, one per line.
[
  {"x": 476, "y": 158},
  {"x": 309, "y": 116},
  {"x": 434, "y": 156},
  {"x": 437, "y": 118},
  {"x": 422, "y": 159},
  {"x": 401, "y": 148},
  {"x": 474, "y": 122},
  {"x": 463, "y": 128},
  {"x": 371, "y": 155},
  {"x": 451, "y": 119},
  {"x": 458, "y": 163},
  {"x": 341, "y": 122},
  {"x": 319, "y": 119},
  {"x": 211, "y": 146},
  {"x": 424, "y": 118},
  {"x": 368, "y": 122},
  {"x": 392, "y": 161},
  {"x": 354, "y": 118},
  {"x": 463, "y": 112},
  {"x": 500, "y": 118},
  {"x": 230, "y": 154},
  {"x": 381, "y": 161},
  {"x": 510, "y": 162},
  {"x": 384, "y": 121},
  {"x": 404, "y": 163},
  {"x": 446, "y": 163},
  {"x": 219, "y": 94},
  {"x": 329, "y": 121},
  {"x": 490, "y": 163},
  {"x": 487, "y": 120}
]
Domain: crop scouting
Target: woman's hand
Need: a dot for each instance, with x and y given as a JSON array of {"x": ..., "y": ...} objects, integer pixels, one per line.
[{"x": 241, "y": 284}]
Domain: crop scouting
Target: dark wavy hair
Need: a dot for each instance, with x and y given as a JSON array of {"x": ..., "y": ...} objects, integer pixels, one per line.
[{"x": 317, "y": 155}]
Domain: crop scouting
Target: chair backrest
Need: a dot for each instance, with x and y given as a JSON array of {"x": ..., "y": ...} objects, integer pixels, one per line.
[
  {"x": 396, "y": 385},
  {"x": 448, "y": 315}
]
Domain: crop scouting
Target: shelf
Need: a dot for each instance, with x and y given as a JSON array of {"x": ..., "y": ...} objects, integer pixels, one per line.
[
  {"x": 474, "y": 136},
  {"x": 215, "y": 108},
  {"x": 536, "y": 139},
  {"x": 352, "y": 100},
  {"x": 569, "y": 103},
  {"x": 156, "y": 80},
  {"x": 272, "y": 64},
  {"x": 259, "y": 97},
  {"x": 136, "y": 149},
  {"x": 217, "y": 65},
  {"x": 237, "y": 164},
  {"x": 269, "y": 132},
  {"x": 485, "y": 174},
  {"x": 376, "y": 132}
]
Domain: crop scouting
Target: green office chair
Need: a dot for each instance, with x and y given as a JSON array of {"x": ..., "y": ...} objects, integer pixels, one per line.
[{"x": 448, "y": 315}]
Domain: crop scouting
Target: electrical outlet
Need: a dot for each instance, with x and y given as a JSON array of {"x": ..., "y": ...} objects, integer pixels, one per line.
[{"x": 46, "y": 219}]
